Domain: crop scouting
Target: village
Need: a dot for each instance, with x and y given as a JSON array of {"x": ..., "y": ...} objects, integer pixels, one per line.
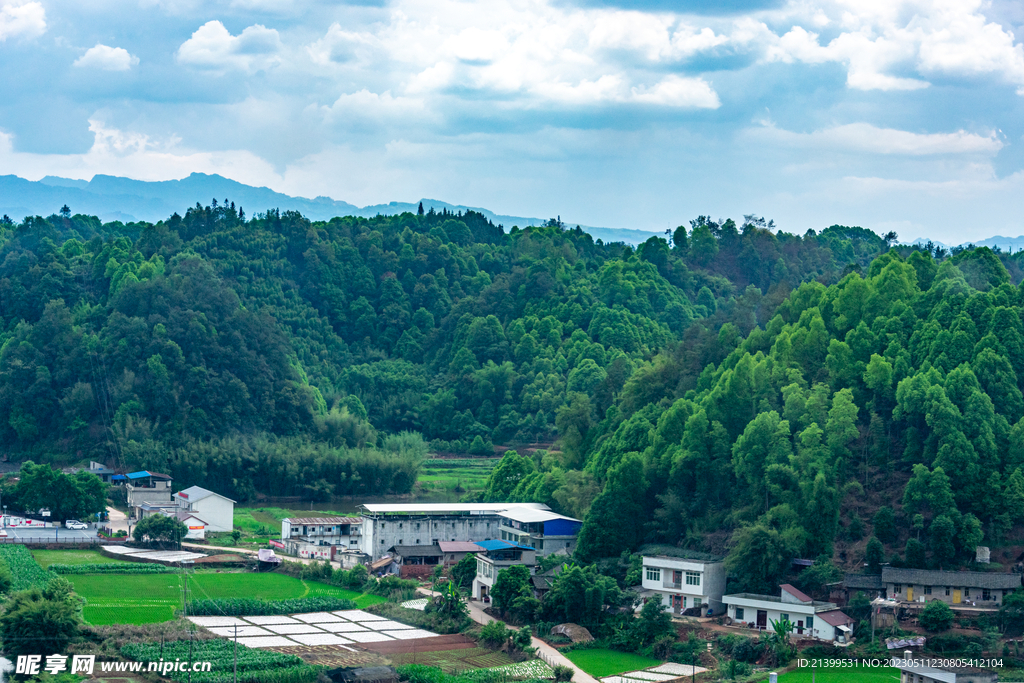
[{"x": 399, "y": 584}]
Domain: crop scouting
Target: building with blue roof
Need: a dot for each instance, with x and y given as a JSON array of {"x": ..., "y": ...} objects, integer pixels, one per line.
[{"x": 498, "y": 554}]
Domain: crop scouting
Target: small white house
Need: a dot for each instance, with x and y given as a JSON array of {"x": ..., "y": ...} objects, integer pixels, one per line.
[
  {"x": 216, "y": 510},
  {"x": 683, "y": 583},
  {"x": 810, "y": 618},
  {"x": 196, "y": 526}
]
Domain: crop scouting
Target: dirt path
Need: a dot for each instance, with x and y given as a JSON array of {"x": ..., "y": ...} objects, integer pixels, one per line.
[
  {"x": 551, "y": 655},
  {"x": 247, "y": 551}
]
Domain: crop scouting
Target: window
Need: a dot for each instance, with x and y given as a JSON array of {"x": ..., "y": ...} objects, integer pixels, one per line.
[
  {"x": 417, "y": 541},
  {"x": 399, "y": 525},
  {"x": 401, "y": 542},
  {"x": 653, "y": 574},
  {"x": 927, "y": 590},
  {"x": 947, "y": 591},
  {"x": 967, "y": 592},
  {"x": 692, "y": 578},
  {"x": 783, "y": 617},
  {"x": 810, "y": 622},
  {"x": 986, "y": 594},
  {"x": 897, "y": 588},
  {"x": 417, "y": 526},
  {"x": 382, "y": 541},
  {"x": 739, "y": 614}
]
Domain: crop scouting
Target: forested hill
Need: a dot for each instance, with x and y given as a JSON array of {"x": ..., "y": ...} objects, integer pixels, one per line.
[{"x": 742, "y": 375}]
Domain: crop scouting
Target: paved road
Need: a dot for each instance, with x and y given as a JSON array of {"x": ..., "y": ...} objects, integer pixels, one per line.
[
  {"x": 247, "y": 551},
  {"x": 552, "y": 655}
]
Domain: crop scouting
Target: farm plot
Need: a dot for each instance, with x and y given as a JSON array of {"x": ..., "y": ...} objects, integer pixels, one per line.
[
  {"x": 145, "y": 599},
  {"x": 601, "y": 662},
  {"x": 253, "y": 665},
  {"x": 25, "y": 571},
  {"x": 47, "y": 557}
]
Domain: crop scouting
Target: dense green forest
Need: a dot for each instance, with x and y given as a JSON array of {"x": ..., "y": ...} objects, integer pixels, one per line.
[{"x": 727, "y": 387}]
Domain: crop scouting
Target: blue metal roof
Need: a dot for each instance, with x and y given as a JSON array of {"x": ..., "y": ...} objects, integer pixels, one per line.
[
  {"x": 138, "y": 475},
  {"x": 118, "y": 477},
  {"x": 498, "y": 544}
]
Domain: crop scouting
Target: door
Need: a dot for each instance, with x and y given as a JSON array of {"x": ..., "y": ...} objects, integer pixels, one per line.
[
  {"x": 800, "y": 626},
  {"x": 956, "y": 596},
  {"x": 762, "y": 619},
  {"x": 910, "y": 594}
]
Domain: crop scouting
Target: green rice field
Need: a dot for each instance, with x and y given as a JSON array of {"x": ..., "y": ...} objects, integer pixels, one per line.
[
  {"x": 145, "y": 599},
  {"x": 47, "y": 557},
  {"x": 599, "y": 662},
  {"x": 451, "y": 474}
]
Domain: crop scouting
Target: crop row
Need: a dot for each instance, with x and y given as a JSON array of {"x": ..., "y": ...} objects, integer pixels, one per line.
[
  {"x": 24, "y": 569},
  {"x": 253, "y": 665},
  {"x": 111, "y": 568},
  {"x": 254, "y": 606}
]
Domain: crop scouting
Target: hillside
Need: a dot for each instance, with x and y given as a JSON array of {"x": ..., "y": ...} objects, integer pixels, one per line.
[{"x": 733, "y": 379}]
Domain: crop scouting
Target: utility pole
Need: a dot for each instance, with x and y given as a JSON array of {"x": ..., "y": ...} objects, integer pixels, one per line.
[{"x": 236, "y": 654}]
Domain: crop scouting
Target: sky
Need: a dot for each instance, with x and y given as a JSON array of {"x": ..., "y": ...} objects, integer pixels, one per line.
[{"x": 899, "y": 115}]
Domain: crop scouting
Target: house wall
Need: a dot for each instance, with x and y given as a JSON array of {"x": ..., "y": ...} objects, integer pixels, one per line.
[
  {"x": 380, "y": 533},
  {"x": 967, "y": 594},
  {"x": 218, "y": 512},
  {"x": 709, "y": 591},
  {"x": 797, "y": 613}
]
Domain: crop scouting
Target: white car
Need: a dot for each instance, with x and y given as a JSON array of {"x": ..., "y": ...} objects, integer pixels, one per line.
[{"x": 75, "y": 524}]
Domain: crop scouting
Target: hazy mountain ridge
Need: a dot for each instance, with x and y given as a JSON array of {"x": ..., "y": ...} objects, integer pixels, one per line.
[{"x": 127, "y": 200}]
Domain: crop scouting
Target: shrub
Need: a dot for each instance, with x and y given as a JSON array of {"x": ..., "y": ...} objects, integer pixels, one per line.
[
  {"x": 254, "y": 606},
  {"x": 936, "y": 616},
  {"x": 427, "y": 619},
  {"x": 494, "y": 634},
  {"x": 563, "y": 673}
]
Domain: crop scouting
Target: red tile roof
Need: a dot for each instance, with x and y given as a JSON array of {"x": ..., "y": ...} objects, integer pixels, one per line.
[
  {"x": 796, "y": 593},
  {"x": 835, "y": 617}
]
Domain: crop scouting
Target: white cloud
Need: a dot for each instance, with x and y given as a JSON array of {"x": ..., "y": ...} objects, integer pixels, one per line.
[
  {"x": 863, "y": 137},
  {"x": 107, "y": 58},
  {"x": 213, "y": 47},
  {"x": 22, "y": 19},
  {"x": 676, "y": 91},
  {"x": 882, "y": 38}
]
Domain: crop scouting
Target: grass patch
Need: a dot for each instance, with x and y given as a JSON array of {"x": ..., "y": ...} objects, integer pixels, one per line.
[
  {"x": 47, "y": 557},
  {"x": 858, "y": 675},
  {"x": 452, "y": 474},
  {"x": 146, "y": 599},
  {"x": 600, "y": 662}
]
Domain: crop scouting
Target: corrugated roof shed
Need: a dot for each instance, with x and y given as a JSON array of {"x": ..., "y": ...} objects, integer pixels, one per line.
[
  {"x": 417, "y": 550},
  {"x": 924, "y": 577},
  {"x": 458, "y": 547},
  {"x": 498, "y": 544},
  {"x": 868, "y": 582},
  {"x": 323, "y": 521}
]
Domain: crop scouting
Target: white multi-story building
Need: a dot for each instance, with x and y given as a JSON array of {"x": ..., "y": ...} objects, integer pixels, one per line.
[
  {"x": 683, "y": 583},
  {"x": 216, "y": 510},
  {"x": 917, "y": 668},
  {"x": 810, "y": 618},
  {"x": 387, "y": 525},
  {"x": 315, "y": 537}
]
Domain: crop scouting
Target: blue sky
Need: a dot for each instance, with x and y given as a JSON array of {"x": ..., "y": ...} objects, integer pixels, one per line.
[{"x": 891, "y": 114}]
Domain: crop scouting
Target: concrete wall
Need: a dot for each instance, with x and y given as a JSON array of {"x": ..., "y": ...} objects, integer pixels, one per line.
[
  {"x": 218, "y": 512},
  {"x": 380, "y": 533},
  {"x": 820, "y": 629}
]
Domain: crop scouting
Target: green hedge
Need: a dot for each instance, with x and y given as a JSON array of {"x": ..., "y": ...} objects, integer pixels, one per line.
[
  {"x": 111, "y": 568},
  {"x": 254, "y": 666},
  {"x": 238, "y": 607},
  {"x": 26, "y": 571},
  {"x": 421, "y": 673}
]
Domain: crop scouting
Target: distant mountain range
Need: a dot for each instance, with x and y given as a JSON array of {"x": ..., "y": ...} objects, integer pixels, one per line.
[
  {"x": 1011, "y": 244},
  {"x": 123, "y": 199}
]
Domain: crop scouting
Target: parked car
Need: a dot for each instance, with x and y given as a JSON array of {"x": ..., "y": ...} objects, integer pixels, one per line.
[{"x": 75, "y": 524}]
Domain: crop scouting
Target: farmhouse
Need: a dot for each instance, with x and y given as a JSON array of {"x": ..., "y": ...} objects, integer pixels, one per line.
[
  {"x": 685, "y": 582},
  {"x": 498, "y": 555},
  {"x": 320, "y": 537},
  {"x": 216, "y": 510},
  {"x": 917, "y": 670},
  {"x": 452, "y": 552},
  {"x": 979, "y": 589},
  {"x": 386, "y": 525},
  {"x": 415, "y": 561},
  {"x": 810, "y": 618},
  {"x": 146, "y": 487},
  {"x": 543, "y": 530},
  {"x": 196, "y": 526}
]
